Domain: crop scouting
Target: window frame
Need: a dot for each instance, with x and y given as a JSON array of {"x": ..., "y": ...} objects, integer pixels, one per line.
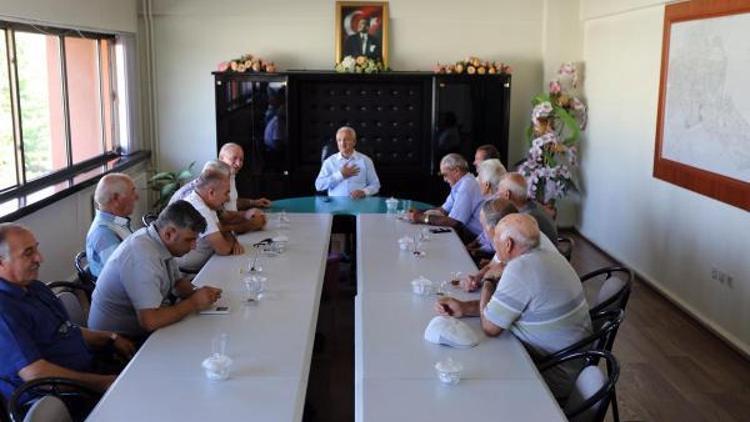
[{"x": 23, "y": 184}]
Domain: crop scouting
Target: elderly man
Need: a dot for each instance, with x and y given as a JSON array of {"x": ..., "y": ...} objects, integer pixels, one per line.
[
  {"x": 348, "y": 172},
  {"x": 513, "y": 188},
  {"x": 232, "y": 220},
  {"x": 133, "y": 293},
  {"x": 539, "y": 298},
  {"x": 115, "y": 197},
  {"x": 485, "y": 152},
  {"x": 37, "y": 338},
  {"x": 234, "y": 156},
  {"x": 489, "y": 174},
  {"x": 210, "y": 193},
  {"x": 462, "y": 204}
]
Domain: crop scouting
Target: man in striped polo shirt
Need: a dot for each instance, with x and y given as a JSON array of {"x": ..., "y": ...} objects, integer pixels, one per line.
[{"x": 539, "y": 298}]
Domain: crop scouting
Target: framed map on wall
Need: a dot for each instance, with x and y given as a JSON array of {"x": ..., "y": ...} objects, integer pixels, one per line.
[{"x": 703, "y": 124}]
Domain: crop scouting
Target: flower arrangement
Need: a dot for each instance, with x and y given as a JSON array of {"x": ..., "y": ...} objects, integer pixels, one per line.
[
  {"x": 360, "y": 64},
  {"x": 557, "y": 119},
  {"x": 247, "y": 63},
  {"x": 473, "y": 66}
]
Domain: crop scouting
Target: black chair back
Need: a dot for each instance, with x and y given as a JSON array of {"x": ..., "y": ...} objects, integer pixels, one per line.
[
  {"x": 148, "y": 218},
  {"x": 585, "y": 405},
  {"x": 82, "y": 269},
  {"x": 614, "y": 291},
  {"x": 605, "y": 327},
  {"x": 65, "y": 389}
]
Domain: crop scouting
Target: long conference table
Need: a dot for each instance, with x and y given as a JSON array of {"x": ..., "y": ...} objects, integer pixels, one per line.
[{"x": 271, "y": 342}]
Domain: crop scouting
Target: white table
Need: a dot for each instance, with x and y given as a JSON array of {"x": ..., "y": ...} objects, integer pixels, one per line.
[
  {"x": 270, "y": 342},
  {"x": 394, "y": 366},
  {"x": 383, "y": 267}
]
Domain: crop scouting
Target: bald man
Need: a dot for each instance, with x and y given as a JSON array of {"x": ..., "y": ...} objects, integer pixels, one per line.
[
  {"x": 37, "y": 338},
  {"x": 349, "y": 172},
  {"x": 115, "y": 199},
  {"x": 234, "y": 156},
  {"x": 513, "y": 187},
  {"x": 539, "y": 298}
]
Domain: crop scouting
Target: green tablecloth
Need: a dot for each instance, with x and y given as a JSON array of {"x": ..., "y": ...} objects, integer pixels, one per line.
[{"x": 337, "y": 205}]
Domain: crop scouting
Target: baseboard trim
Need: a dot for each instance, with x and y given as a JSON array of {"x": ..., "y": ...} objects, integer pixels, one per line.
[{"x": 729, "y": 339}]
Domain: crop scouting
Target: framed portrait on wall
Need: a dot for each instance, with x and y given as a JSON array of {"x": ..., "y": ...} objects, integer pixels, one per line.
[
  {"x": 703, "y": 121},
  {"x": 362, "y": 30}
]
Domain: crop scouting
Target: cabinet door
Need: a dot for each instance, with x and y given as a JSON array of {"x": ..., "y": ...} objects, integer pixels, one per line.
[
  {"x": 252, "y": 112},
  {"x": 470, "y": 111}
]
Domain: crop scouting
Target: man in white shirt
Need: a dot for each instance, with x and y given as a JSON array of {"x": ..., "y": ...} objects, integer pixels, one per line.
[
  {"x": 210, "y": 193},
  {"x": 234, "y": 156},
  {"x": 348, "y": 172},
  {"x": 231, "y": 220}
]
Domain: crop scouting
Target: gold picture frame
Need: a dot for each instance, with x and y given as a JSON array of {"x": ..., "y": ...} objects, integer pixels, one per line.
[{"x": 349, "y": 16}]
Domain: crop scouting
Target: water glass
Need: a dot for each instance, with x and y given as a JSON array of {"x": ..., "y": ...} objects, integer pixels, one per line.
[
  {"x": 219, "y": 345},
  {"x": 255, "y": 286}
]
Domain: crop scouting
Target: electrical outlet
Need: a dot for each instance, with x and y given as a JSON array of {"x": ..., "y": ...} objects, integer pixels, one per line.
[
  {"x": 730, "y": 281},
  {"x": 714, "y": 273}
]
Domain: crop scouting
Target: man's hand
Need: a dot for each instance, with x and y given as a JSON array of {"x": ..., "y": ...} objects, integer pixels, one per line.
[
  {"x": 256, "y": 217},
  {"x": 238, "y": 249},
  {"x": 262, "y": 202},
  {"x": 124, "y": 347},
  {"x": 415, "y": 216},
  {"x": 358, "y": 194},
  {"x": 449, "y": 306},
  {"x": 204, "y": 297},
  {"x": 471, "y": 282},
  {"x": 349, "y": 170}
]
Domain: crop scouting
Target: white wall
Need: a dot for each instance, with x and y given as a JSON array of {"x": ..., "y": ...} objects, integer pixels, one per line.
[
  {"x": 101, "y": 15},
  {"x": 670, "y": 235},
  {"x": 61, "y": 228},
  {"x": 191, "y": 37}
]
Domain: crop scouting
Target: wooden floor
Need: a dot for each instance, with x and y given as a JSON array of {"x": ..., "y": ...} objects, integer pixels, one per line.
[{"x": 672, "y": 369}]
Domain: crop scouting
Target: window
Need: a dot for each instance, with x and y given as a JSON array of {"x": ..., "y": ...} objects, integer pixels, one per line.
[{"x": 57, "y": 102}]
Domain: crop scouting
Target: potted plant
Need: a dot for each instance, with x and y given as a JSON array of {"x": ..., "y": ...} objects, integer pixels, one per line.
[
  {"x": 557, "y": 119},
  {"x": 166, "y": 183}
]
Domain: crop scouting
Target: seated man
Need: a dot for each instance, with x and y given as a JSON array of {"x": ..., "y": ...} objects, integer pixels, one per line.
[
  {"x": 115, "y": 198},
  {"x": 209, "y": 196},
  {"x": 37, "y": 338},
  {"x": 133, "y": 293},
  {"x": 513, "y": 188},
  {"x": 489, "y": 174},
  {"x": 539, "y": 298},
  {"x": 462, "y": 204},
  {"x": 348, "y": 172},
  {"x": 485, "y": 152},
  {"x": 233, "y": 155},
  {"x": 231, "y": 219}
]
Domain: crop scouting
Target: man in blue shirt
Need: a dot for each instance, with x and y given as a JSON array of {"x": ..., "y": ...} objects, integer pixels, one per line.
[
  {"x": 37, "y": 338},
  {"x": 349, "y": 172},
  {"x": 462, "y": 205},
  {"x": 115, "y": 197}
]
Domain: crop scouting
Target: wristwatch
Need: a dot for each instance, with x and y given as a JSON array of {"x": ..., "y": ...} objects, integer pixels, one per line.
[
  {"x": 427, "y": 218},
  {"x": 113, "y": 337}
]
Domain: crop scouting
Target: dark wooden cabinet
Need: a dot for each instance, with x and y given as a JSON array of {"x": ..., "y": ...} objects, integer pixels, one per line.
[{"x": 405, "y": 121}]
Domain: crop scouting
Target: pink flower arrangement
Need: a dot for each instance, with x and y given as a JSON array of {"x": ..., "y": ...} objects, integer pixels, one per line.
[
  {"x": 473, "y": 66},
  {"x": 557, "y": 119},
  {"x": 247, "y": 63}
]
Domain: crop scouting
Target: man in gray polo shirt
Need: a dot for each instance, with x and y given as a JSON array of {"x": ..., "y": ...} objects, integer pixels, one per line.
[
  {"x": 133, "y": 292},
  {"x": 539, "y": 298}
]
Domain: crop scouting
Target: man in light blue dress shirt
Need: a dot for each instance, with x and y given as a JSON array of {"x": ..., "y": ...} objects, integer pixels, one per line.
[
  {"x": 348, "y": 172},
  {"x": 462, "y": 205},
  {"x": 115, "y": 197}
]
